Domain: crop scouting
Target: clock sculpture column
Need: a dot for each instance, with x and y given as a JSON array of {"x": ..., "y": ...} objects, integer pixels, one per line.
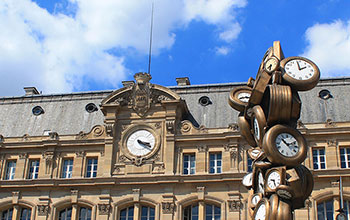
[{"x": 269, "y": 109}]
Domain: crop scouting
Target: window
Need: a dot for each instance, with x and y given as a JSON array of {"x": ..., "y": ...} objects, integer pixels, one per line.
[
  {"x": 212, "y": 212},
  {"x": 67, "y": 168},
  {"x": 191, "y": 212},
  {"x": 147, "y": 213},
  {"x": 249, "y": 164},
  {"x": 215, "y": 163},
  {"x": 127, "y": 213},
  {"x": 91, "y": 169},
  {"x": 319, "y": 159},
  {"x": 10, "y": 170},
  {"x": 325, "y": 210},
  {"x": 189, "y": 164},
  {"x": 345, "y": 157},
  {"x": 65, "y": 214},
  {"x": 84, "y": 213},
  {"x": 33, "y": 169},
  {"x": 26, "y": 214},
  {"x": 7, "y": 214}
]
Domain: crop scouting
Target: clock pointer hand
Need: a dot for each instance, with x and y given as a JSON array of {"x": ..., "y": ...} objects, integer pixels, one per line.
[
  {"x": 298, "y": 65},
  {"x": 144, "y": 143}
]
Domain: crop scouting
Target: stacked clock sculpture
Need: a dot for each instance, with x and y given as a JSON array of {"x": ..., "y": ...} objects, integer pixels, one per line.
[{"x": 269, "y": 109}]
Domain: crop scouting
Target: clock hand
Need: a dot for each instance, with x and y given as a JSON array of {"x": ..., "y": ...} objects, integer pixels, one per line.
[
  {"x": 144, "y": 143},
  {"x": 298, "y": 65}
]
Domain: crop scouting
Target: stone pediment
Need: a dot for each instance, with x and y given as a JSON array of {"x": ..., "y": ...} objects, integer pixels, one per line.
[{"x": 140, "y": 96}]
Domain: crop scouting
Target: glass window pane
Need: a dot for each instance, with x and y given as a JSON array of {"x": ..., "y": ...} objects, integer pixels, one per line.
[{"x": 320, "y": 211}]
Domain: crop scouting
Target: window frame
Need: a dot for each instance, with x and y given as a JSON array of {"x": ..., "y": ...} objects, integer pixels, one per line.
[
  {"x": 190, "y": 170},
  {"x": 10, "y": 174},
  {"x": 346, "y": 155},
  {"x": 67, "y": 172},
  {"x": 324, "y": 204},
  {"x": 318, "y": 156},
  {"x": 92, "y": 171},
  {"x": 36, "y": 169},
  {"x": 216, "y": 167}
]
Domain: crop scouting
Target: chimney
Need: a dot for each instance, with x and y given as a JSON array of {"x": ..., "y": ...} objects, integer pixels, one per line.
[
  {"x": 183, "y": 81},
  {"x": 31, "y": 91}
]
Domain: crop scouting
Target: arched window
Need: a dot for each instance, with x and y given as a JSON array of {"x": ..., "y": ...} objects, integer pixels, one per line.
[
  {"x": 7, "y": 214},
  {"x": 127, "y": 213},
  {"x": 65, "y": 214},
  {"x": 325, "y": 210},
  {"x": 347, "y": 208},
  {"x": 212, "y": 212},
  {"x": 26, "y": 214},
  {"x": 147, "y": 213},
  {"x": 84, "y": 213},
  {"x": 191, "y": 212}
]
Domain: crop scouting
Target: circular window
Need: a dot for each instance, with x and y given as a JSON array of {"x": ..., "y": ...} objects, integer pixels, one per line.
[
  {"x": 204, "y": 101},
  {"x": 91, "y": 107},
  {"x": 37, "y": 110},
  {"x": 325, "y": 94}
]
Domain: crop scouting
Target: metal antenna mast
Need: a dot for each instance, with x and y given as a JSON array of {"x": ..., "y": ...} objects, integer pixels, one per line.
[{"x": 150, "y": 42}]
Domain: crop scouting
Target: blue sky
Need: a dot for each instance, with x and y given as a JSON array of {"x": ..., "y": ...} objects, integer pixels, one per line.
[{"x": 81, "y": 45}]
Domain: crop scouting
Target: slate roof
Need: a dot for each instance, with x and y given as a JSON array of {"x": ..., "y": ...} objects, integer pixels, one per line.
[{"x": 66, "y": 114}]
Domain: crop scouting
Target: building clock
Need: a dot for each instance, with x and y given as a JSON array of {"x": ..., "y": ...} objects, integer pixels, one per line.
[{"x": 140, "y": 141}]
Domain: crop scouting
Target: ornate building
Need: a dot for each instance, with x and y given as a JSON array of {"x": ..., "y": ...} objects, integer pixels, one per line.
[{"x": 150, "y": 152}]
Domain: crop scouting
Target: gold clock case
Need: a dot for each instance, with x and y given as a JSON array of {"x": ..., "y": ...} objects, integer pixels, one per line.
[
  {"x": 284, "y": 211},
  {"x": 301, "y": 85},
  {"x": 256, "y": 153},
  {"x": 281, "y": 171},
  {"x": 250, "y": 204},
  {"x": 258, "y": 113},
  {"x": 262, "y": 164},
  {"x": 303, "y": 187},
  {"x": 234, "y": 101},
  {"x": 285, "y": 192},
  {"x": 244, "y": 128},
  {"x": 277, "y": 103},
  {"x": 255, "y": 180},
  {"x": 260, "y": 85},
  {"x": 267, "y": 207},
  {"x": 277, "y": 50},
  {"x": 130, "y": 130},
  {"x": 272, "y": 153},
  {"x": 268, "y": 68},
  {"x": 274, "y": 200}
]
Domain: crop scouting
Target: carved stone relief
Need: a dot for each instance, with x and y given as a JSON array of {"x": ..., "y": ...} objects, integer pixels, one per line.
[
  {"x": 104, "y": 209},
  {"x": 202, "y": 148},
  {"x": 48, "y": 156},
  {"x": 43, "y": 210},
  {"x": 234, "y": 205},
  {"x": 168, "y": 207}
]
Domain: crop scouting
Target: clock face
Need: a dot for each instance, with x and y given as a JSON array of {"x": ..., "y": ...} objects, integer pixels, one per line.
[
  {"x": 247, "y": 180},
  {"x": 273, "y": 180},
  {"x": 287, "y": 145},
  {"x": 261, "y": 212},
  {"x": 256, "y": 129},
  {"x": 140, "y": 142},
  {"x": 239, "y": 97},
  {"x": 255, "y": 199},
  {"x": 299, "y": 69},
  {"x": 243, "y": 96},
  {"x": 271, "y": 64},
  {"x": 261, "y": 183}
]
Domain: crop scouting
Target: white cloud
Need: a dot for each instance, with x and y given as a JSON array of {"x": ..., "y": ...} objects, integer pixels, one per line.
[
  {"x": 58, "y": 51},
  {"x": 329, "y": 47},
  {"x": 222, "y": 50}
]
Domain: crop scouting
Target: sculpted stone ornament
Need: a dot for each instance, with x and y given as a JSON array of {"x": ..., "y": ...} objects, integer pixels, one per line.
[
  {"x": 141, "y": 94},
  {"x": 168, "y": 207},
  {"x": 43, "y": 210},
  {"x": 234, "y": 205},
  {"x": 104, "y": 209}
]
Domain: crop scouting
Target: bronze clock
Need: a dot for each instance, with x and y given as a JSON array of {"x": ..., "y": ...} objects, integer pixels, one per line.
[
  {"x": 300, "y": 73},
  {"x": 284, "y": 145},
  {"x": 258, "y": 121},
  {"x": 239, "y": 97}
]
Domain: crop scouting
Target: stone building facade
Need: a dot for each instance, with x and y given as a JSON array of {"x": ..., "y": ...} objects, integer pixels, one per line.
[{"x": 150, "y": 152}]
